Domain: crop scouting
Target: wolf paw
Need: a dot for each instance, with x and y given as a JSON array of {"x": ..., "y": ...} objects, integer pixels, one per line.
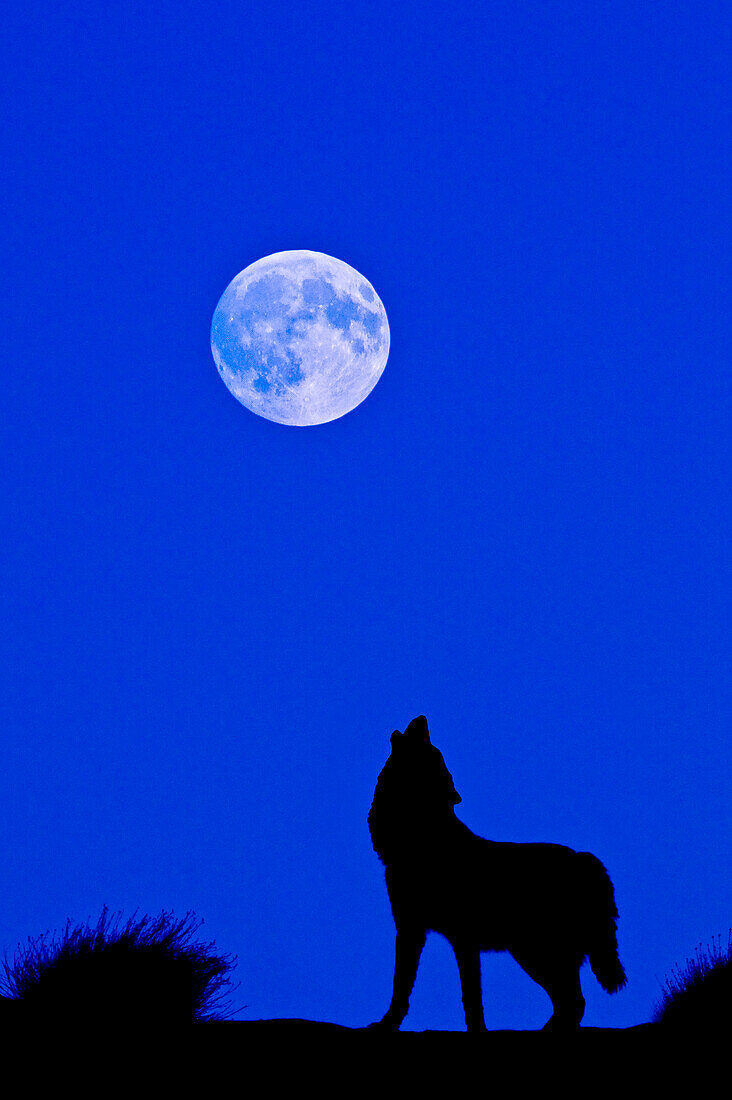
[{"x": 383, "y": 1025}]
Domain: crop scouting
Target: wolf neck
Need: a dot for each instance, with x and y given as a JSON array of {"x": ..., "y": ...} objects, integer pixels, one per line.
[{"x": 397, "y": 834}]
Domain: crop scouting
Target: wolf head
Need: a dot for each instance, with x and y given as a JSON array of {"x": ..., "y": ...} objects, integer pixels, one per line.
[
  {"x": 418, "y": 768},
  {"x": 414, "y": 789}
]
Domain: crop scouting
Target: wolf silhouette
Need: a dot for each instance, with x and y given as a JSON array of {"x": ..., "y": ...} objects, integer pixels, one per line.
[{"x": 547, "y": 905}]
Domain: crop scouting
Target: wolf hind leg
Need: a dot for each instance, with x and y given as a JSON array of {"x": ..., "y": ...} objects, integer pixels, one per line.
[
  {"x": 559, "y": 976},
  {"x": 468, "y": 960},
  {"x": 409, "y": 944}
]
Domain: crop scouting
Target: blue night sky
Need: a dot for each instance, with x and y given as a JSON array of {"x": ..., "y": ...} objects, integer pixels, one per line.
[{"x": 212, "y": 622}]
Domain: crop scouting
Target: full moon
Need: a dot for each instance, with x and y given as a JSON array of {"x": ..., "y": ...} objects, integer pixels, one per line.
[{"x": 300, "y": 338}]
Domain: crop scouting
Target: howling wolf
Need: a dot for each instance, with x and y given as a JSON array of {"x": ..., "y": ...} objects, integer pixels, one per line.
[{"x": 547, "y": 905}]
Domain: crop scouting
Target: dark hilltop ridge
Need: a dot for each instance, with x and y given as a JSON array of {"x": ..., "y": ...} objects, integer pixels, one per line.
[
  {"x": 145, "y": 997},
  {"x": 115, "y": 991}
]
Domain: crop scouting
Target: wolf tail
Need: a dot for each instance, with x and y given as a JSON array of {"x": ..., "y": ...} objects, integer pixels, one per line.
[{"x": 601, "y": 928}]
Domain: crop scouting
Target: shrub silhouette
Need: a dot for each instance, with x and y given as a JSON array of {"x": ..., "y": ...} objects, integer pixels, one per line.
[
  {"x": 148, "y": 970},
  {"x": 698, "y": 995}
]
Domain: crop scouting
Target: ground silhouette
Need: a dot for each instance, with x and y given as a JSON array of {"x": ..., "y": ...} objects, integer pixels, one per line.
[
  {"x": 547, "y": 905},
  {"x": 290, "y": 1057}
]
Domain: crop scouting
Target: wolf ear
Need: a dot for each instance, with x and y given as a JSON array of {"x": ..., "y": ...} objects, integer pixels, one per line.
[
  {"x": 418, "y": 729},
  {"x": 396, "y": 735}
]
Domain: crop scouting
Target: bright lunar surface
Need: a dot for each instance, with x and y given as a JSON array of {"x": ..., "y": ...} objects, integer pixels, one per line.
[{"x": 300, "y": 337}]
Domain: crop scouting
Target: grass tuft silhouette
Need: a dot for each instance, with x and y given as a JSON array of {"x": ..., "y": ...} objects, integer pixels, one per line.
[
  {"x": 698, "y": 995},
  {"x": 146, "y": 970}
]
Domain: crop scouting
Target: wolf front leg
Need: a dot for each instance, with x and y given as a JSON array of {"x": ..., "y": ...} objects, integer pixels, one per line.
[
  {"x": 409, "y": 944},
  {"x": 468, "y": 960}
]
